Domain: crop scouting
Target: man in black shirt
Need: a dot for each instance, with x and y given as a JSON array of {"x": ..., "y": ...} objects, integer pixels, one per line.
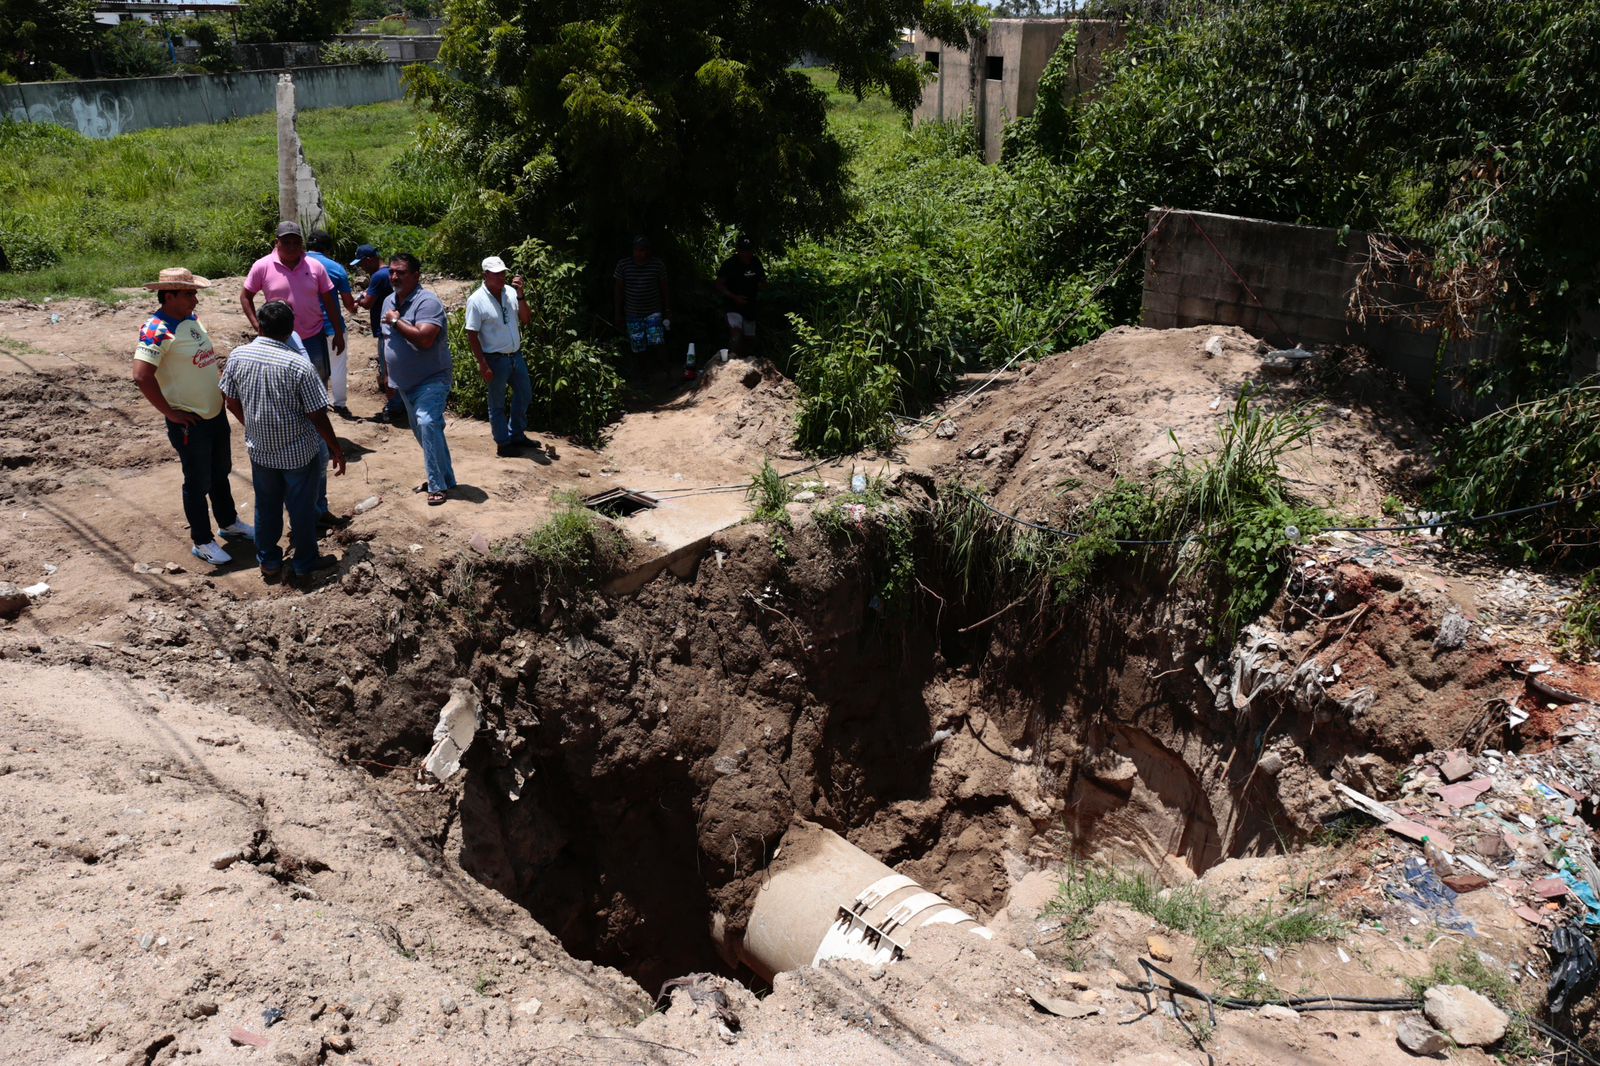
[{"x": 740, "y": 280}]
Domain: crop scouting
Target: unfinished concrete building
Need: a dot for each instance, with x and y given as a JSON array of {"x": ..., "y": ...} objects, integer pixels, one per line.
[{"x": 996, "y": 79}]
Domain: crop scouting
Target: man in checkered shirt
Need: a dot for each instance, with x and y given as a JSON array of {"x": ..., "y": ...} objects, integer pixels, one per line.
[{"x": 276, "y": 395}]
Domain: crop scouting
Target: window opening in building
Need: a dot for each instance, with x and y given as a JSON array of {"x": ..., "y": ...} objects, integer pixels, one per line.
[
  {"x": 932, "y": 58},
  {"x": 997, "y": 67}
]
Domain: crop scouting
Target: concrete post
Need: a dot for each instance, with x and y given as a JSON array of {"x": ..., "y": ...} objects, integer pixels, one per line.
[
  {"x": 299, "y": 198},
  {"x": 288, "y": 151}
]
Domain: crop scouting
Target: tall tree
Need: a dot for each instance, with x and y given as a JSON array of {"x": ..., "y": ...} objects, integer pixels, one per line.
[
  {"x": 585, "y": 120},
  {"x": 293, "y": 20},
  {"x": 39, "y": 36}
]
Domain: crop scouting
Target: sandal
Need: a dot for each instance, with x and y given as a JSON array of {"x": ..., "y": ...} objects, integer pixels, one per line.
[
  {"x": 436, "y": 498},
  {"x": 421, "y": 488}
]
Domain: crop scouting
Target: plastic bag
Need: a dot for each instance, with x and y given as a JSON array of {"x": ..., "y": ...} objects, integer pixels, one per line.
[{"x": 1574, "y": 970}]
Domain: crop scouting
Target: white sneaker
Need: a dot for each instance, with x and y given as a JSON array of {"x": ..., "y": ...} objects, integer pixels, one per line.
[
  {"x": 212, "y": 554},
  {"x": 241, "y": 529}
]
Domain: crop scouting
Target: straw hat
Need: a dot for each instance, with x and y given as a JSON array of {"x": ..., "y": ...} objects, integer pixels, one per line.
[{"x": 178, "y": 278}]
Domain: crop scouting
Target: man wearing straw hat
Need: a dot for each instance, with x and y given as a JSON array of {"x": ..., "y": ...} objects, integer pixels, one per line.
[{"x": 175, "y": 366}]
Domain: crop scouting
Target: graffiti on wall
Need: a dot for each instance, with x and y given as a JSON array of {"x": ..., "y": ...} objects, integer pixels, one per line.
[{"x": 98, "y": 115}]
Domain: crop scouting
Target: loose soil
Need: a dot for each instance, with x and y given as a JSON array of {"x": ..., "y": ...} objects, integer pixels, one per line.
[{"x": 216, "y": 808}]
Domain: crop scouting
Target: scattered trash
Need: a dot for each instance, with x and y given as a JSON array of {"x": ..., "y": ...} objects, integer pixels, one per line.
[
  {"x": 50, "y": 568},
  {"x": 34, "y": 592},
  {"x": 858, "y": 483},
  {"x": 368, "y": 504},
  {"x": 271, "y": 1016},
  {"x": 452, "y": 736},
  {"x": 1427, "y": 893},
  {"x": 1214, "y": 346}
]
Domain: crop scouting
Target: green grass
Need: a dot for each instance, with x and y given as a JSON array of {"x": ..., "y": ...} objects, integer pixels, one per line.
[
  {"x": 871, "y": 118},
  {"x": 112, "y": 213},
  {"x": 574, "y": 547},
  {"x": 1226, "y": 941}
]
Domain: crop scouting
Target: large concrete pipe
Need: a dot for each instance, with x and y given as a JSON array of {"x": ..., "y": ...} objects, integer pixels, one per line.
[{"x": 825, "y": 898}]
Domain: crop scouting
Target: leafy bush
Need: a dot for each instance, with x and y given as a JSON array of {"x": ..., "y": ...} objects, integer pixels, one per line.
[
  {"x": 292, "y": 20},
  {"x": 771, "y": 494},
  {"x": 132, "y": 49},
  {"x": 936, "y": 274},
  {"x": 365, "y": 55},
  {"x": 1526, "y": 454}
]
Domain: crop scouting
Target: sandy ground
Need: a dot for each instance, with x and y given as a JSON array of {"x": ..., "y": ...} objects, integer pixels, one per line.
[{"x": 177, "y": 866}]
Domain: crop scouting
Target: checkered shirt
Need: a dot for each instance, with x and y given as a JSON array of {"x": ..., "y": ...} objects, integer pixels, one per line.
[{"x": 277, "y": 388}]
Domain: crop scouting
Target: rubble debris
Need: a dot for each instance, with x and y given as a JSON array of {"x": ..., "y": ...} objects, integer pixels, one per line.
[
  {"x": 12, "y": 600},
  {"x": 452, "y": 736},
  {"x": 1575, "y": 970}
]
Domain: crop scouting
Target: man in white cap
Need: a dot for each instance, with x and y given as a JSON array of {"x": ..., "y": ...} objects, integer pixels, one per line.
[
  {"x": 495, "y": 315},
  {"x": 175, "y": 366}
]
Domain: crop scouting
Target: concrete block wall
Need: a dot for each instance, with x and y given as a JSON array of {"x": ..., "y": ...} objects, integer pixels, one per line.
[
  {"x": 102, "y": 109},
  {"x": 1289, "y": 285},
  {"x": 399, "y": 48},
  {"x": 1023, "y": 48}
]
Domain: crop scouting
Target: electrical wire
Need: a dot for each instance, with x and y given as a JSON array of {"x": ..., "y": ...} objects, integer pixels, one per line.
[{"x": 1176, "y": 986}]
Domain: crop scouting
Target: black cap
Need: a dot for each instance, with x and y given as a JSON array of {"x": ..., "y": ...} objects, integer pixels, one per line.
[
  {"x": 641, "y": 241},
  {"x": 743, "y": 244}
]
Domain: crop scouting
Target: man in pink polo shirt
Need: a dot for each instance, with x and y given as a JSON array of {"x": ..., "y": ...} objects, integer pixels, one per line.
[{"x": 288, "y": 274}]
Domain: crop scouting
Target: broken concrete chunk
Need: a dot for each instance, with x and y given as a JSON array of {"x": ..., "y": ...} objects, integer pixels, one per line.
[
  {"x": 1453, "y": 631},
  {"x": 452, "y": 736},
  {"x": 1159, "y": 947},
  {"x": 1275, "y": 1013},
  {"x": 1455, "y": 766},
  {"x": 224, "y": 859},
  {"x": 1214, "y": 346},
  {"x": 1420, "y": 1038},
  {"x": 1464, "y": 1016}
]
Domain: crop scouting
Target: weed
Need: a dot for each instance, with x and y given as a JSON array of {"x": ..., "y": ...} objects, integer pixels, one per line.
[
  {"x": 770, "y": 494},
  {"x": 574, "y": 547},
  {"x": 1222, "y": 938},
  {"x": 1392, "y": 506},
  {"x": 1467, "y": 968}
]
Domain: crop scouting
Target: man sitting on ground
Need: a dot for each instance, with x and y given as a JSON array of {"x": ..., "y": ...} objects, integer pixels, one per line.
[
  {"x": 275, "y": 394},
  {"x": 175, "y": 367},
  {"x": 495, "y": 313}
]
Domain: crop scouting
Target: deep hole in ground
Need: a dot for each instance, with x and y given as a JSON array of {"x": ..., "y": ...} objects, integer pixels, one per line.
[
  {"x": 643, "y": 755},
  {"x": 648, "y": 752}
]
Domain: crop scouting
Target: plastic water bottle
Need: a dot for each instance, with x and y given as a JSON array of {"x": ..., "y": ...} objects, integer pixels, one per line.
[
  {"x": 688, "y": 363},
  {"x": 858, "y": 483}
]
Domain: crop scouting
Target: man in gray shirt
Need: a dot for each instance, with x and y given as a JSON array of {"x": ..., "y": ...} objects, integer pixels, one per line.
[
  {"x": 416, "y": 346},
  {"x": 275, "y": 393}
]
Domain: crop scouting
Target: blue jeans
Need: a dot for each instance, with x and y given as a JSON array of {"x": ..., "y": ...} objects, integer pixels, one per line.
[
  {"x": 323, "y": 457},
  {"x": 295, "y": 490},
  {"x": 512, "y": 369},
  {"x": 203, "y": 450},
  {"x": 425, "y": 409},
  {"x": 317, "y": 349}
]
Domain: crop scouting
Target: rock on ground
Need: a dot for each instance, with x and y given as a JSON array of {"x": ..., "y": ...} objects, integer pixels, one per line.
[
  {"x": 1420, "y": 1038},
  {"x": 1466, "y": 1017}
]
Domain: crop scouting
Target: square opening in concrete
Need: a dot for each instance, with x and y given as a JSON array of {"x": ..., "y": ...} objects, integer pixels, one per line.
[
  {"x": 996, "y": 68},
  {"x": 932, "y": 59},
  {"x": 620, "y": 503}
]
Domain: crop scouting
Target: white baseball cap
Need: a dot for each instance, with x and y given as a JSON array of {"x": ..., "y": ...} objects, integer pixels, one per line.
[{"x": 494, "y": 265}]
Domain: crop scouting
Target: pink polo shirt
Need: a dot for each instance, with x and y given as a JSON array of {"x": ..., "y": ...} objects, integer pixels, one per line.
[{"x": 301, "y": 288}]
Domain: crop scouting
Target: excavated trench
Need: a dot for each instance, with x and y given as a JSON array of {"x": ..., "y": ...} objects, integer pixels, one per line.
[{"x": 643, "y": 755}]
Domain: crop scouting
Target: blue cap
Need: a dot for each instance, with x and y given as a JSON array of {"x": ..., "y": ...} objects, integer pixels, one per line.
[{"x": 362, "y": 252}]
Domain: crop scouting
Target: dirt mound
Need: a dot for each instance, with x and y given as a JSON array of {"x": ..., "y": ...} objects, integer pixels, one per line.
[{"x": 1072, "y": 424}]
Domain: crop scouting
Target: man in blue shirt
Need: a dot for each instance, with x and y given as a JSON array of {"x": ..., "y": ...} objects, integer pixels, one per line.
[
  {"x": 416, "y": 349},
  {"x": 318, "y": 248},
  {"x": 378, "y": 290}
]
